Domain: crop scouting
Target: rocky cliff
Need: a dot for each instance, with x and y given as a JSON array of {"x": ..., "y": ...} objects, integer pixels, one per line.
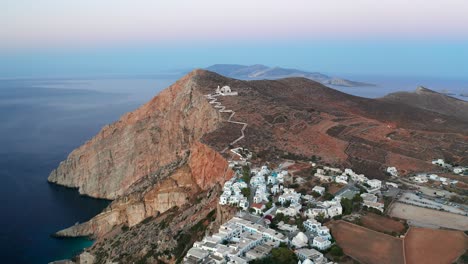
[
  {"x": 156, "y": 135},
  {"x": 149, "y": 161}
]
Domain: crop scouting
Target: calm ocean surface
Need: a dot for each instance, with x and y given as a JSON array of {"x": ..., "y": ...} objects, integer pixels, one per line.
[{"x": 41, "y": 121}]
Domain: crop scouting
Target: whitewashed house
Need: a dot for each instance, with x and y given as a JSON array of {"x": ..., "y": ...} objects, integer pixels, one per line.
[
  {"x": 314, "y": 212},
  {"x": 459, "y": 170},
  {"x": 374, "y": 183},
  {"x": 434, "y": 177},
  {"x": 223, "y": 199},
  {"x": 420, "y": 178},
  {"x": 311, "y": 225},
  {"x": 439, "y": 162},
  {"x": 324, "y": 232},
  {"x": 343, "y": 179},
  {"x": 321, "y": 243},
  {"x": 319, "y": 189},
  {"x": 275, "y": 189},
  {"x": 333, "y": 211},
  {"x": 225, "y": 91},
  {"x": 392, "y": 171}
]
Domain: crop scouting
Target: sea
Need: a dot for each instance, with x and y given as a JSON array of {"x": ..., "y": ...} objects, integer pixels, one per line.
[{"x": 43, "y": 120}]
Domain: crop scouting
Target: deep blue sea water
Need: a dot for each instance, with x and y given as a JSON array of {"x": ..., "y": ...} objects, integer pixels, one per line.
[{"x": 41, "y": 121}]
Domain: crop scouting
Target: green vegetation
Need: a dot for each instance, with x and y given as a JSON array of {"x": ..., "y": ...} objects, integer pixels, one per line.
[
  {"x": 320, "y": 218},
  {"x": 280, "y": 255},
  {"x": 246, "y": 192},
  {"x": 336, "y": 251},
  {"x": 328, "y": 196},
  {"x": 246, "y": 174},
  {"x": 351, "y": 205},
  {"x": 315, "y": 194}
]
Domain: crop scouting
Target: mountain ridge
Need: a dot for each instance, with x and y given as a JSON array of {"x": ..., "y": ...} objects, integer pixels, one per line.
[{"x": 259, "y": 71}]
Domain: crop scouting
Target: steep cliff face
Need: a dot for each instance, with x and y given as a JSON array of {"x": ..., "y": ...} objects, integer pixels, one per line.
[
  {"x": 202, "y": 170},
  {"x": 157, "y": 134}
]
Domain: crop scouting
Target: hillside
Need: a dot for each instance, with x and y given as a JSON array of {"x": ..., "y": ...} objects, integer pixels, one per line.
[
  {"x": 430, "y": 100},
  {"x": 163, "y": 164},
  {"x": 260, "y": 72}
]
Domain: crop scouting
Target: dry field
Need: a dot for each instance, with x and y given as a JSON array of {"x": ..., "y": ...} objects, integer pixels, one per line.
[
  {"x": 334, "y": 188},
  {"x": 427, "y": 217},
  {"x": 430, "y": 246},
  {"x": 367, "y": 246},
  {"x": 382, "y": 223}
]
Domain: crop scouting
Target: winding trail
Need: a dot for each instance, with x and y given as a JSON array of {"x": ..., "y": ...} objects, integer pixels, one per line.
[{"x": 222, "y": 109}]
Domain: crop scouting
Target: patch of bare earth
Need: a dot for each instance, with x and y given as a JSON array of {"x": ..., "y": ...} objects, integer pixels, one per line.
[
  {"x": 367, "y": 246},
  {"x": 382, "y": 224},
  {"x": 428, "y": 217},
  {"x": 433, "y": 246}
]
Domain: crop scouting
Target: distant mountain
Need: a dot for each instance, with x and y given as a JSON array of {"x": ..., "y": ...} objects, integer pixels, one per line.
[
  {"x": 433, "y": 101},
  {"x": 259, "y": 72}
]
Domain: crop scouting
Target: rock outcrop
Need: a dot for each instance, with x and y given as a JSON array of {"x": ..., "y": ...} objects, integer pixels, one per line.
[
  {"x": 204, "y": 169},
  {"x": 140, "y": 143}
]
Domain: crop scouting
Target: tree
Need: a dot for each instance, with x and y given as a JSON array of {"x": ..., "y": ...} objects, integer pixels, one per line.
[
  {"x": 281, "y": 254},
  {"x": 335, "y": 250},
  {"x": 320, "y": 217},
  {"x": 347, "y": 206},
  {"x": 246, "y": 192},
  {"x": 328, "y": 196},
  {"x": 246, "y": 173}
]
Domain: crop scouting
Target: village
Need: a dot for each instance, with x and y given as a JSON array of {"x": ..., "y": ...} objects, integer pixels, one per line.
[
  {"x": 281, "y": 211},
  {"x": 272, "y": 213}
]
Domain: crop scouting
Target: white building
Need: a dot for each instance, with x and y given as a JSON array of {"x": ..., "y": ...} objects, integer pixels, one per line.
[
  {"x": 332, "y": 170},
  {"x": 287, "y": 227},
  {"x": 314, "y": 212},
  {"x": 434, "y": 177},
  {"x": 393, "y": 171},
  {"x": 300, "y": 240},
  {"x": 196, "y": 255},
  {"x": 258, "y": 208},
  {"x": 225, "y": 91},
  {"x": 335, "y": 210},
  {"x": 321, "y": 243},
  {"x": 292, "y": 210},
  {"x": 439, "y": 162},
  {"x": 319, "y": 189},
  {"x": 290, "y": 195},
  {"x": 374, "y": 184},
  {"x": 459, "y": 170},
  {"x": 420, "y": 178},
  {"x": 324, "y": 232},
  {"x": 275, "y": 189},
  {"x": 376, "y": 205},
  {"x": 312, "y": 225},
  {"x": 341, "y": 179},
  {"x": 309, "y": 254},
  {"x": 369, "y": 197}
]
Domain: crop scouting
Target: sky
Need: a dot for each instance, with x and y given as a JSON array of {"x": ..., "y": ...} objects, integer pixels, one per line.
[{"x": 53, "y": 38}]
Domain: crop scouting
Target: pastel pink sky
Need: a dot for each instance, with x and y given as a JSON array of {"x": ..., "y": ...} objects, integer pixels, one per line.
[{"x": 55, "y": 23}]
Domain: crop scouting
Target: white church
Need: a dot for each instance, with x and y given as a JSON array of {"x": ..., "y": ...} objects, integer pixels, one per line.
[{"x": 225, "y": 91}]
